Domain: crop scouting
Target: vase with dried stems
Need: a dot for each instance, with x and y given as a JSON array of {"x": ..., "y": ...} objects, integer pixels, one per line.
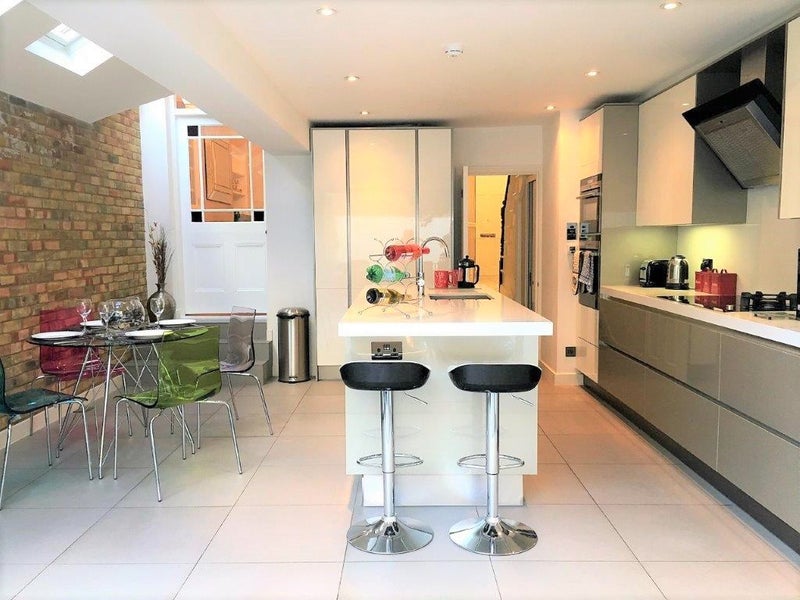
[{"x": 162, "y": 257}]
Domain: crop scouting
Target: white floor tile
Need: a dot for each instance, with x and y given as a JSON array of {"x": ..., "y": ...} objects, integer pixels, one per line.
[
  {"x": 640, "y": 484},
  {"x": 39, "y": 535},
  {"x": 16, "y": 479},
  {"x": 314, "y": 424},
  {"x": 566, "y": 402},
  {"x": 687, "y": 532},
  {"x": 554, "y": 484},
  {"x": 726, "y": 581},
  {"x": 418, "y": 580},
  {"x": 281, "y": 534},
  {"x": 276, "y": 389},
  {"x": 162, "y": 535},
  {"x": 100, "y": 582},
  {"x": 438, "y": 518},
  {"x": 568, "y": 532},
  {"x": 275, "y": 581},
  {"x": 287, "y": 485},
  {"x": 321, "y": 404},
  {"x": 326, "y": 388},
  {"x": 13, "y": 577},
  {"x": 66, "y": 488},
  {"x": 577, "y": 421},
  {"x": 574, "y": 581},
  {"x": 249, "y": 424},
  {"x": 546, "y": 452},
  {"x": 302, "y": 450},
  {"x": 609, "y": 448}
]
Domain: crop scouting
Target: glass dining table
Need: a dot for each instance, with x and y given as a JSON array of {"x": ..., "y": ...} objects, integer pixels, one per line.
[{"x": 123, "y": 353}]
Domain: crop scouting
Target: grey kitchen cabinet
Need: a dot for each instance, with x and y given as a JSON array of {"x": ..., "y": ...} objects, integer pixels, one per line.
[
  {"x": 762, "y": 379},
  {"x": 684, "y": 415},
  {"x": 684, "y": 350},
  {"x": 622, "y": 327},
  {"x": 762, "y": 464},
  {"x": 622, "y": 377}
]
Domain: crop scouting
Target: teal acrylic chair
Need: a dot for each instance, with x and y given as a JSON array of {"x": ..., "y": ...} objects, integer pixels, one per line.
[
  {"x": 21, "y": 405},
  {"x": 188, "y": 371}
]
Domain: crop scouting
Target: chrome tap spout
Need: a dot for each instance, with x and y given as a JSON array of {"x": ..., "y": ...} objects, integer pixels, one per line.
[{"x": 420, "y": 271}]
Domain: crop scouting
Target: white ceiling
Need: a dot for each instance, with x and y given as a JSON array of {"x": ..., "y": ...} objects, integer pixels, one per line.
[{"x": 269, "y": 68}]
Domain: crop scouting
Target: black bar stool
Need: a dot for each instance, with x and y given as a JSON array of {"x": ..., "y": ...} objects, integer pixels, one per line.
[
  {"x": 387, "y": 534},
  {"x": 491, "y": 534}
]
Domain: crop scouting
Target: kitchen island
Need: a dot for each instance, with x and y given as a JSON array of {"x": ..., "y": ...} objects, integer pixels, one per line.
[{"x": 442, "y": 334}]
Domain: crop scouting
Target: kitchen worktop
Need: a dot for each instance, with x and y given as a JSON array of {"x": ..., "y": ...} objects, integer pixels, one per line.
[
  {"x": 784, "y": 331},
  {"x": 441, "y": 318}
]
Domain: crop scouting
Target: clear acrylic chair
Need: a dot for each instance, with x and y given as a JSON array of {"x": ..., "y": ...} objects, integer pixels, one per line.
[
  {"x": 21, "y": 405},
  {"x": 240, "y": 356}
]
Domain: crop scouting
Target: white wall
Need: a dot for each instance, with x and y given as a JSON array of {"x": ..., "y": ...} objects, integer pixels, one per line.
[
  {"x": 762, "y": 252},
  {"x": 290, "y": 241},
  {"x": 559, "y": 190}
]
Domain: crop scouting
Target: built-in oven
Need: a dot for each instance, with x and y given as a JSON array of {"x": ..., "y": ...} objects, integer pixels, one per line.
[{"x": 590, "y": 201}]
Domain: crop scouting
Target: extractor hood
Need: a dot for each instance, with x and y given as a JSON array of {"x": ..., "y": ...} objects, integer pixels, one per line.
[{"x": 743, "y": 127}]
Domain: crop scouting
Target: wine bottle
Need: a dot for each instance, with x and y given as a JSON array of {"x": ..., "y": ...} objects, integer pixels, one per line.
[
  {"x": 395, "y": 252},
  {"x": 390, "y": 273},
  {"x": 384, "y": 296}
]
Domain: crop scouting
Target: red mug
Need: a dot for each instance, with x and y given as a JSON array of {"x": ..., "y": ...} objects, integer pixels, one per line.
[{"x": 441, "y": 279}]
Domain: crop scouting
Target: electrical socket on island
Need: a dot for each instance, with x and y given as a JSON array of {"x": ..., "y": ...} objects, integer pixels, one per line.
[{"x": 387, "y": 350}]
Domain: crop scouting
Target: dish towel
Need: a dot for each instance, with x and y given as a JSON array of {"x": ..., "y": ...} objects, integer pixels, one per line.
[
  {"x": 576, "y": 269},
  {"x": 586, "y": 276}
]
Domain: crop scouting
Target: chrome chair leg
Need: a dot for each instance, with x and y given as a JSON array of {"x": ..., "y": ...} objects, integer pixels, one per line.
[
  {"x": 47, "y": 433},
  {"x": 233, "y": 429},
  {"x": 154, "y": 453},
  {"x": 5, "y": 463},
  {"x": 233, "y": 401},
  {"x": 85, "y": 434}
]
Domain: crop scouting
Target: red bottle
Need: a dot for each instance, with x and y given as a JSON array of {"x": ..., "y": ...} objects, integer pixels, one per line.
[{"x": 395, "y": 252}]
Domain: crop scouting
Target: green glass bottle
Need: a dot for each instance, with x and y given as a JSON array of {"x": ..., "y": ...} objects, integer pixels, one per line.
[
  {"x": 384, "y": 296},
  {"x": 378, "y": 273}
]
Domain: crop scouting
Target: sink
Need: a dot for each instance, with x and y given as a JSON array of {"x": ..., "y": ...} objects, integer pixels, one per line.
[{"x": 460, "y": 296}]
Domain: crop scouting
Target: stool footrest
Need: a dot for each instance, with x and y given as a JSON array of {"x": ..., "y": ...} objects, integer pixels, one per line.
[
  {"x": 375, "y": 460},
  {"x": 478, "y": 461}
]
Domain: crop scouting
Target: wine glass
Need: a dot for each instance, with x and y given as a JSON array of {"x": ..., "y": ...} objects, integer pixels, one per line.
[
  {"x": 157, "y": 306},
  {"x": 106, "y": 310},
  {"x": 84, "y": 308}
]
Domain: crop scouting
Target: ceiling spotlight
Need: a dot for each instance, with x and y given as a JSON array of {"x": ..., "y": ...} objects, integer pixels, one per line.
[
  {"x": 326, "y": 11},
  {"x": 454, "y": 50},
  {"x": 352, "y": 78},
  {"x": 364, "y": 113},
  {"x": 670, "y": 5},
  {"x": 550, "y": 107},
  {"x": 592, "y": 73}
]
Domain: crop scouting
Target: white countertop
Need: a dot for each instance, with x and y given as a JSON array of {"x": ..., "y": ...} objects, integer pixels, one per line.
[
  {"x": 784, "y": 331},
  {"x": 445, "y": 318}
]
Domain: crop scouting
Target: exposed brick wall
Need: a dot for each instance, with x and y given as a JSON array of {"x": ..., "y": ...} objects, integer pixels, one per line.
[{"x": 71, "y": 220}]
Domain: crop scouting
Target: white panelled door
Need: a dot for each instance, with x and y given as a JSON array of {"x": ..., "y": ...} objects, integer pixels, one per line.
[{"x": 224, "y": 262}]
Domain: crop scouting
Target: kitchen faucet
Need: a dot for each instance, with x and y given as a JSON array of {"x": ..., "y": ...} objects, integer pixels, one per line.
[{"x": 420, "y": 272}]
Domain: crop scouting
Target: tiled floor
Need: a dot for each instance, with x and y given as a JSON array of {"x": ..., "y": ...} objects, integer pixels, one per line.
[{"x": 617, "y": 518}]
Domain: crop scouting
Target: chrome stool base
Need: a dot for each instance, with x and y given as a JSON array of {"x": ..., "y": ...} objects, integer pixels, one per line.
[
  {"x": 495, "y": 537},
  {"x": 389, "y": 535}
]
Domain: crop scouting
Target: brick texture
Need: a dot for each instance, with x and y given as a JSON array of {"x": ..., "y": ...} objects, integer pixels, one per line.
[{"x": 71, "y": 220}]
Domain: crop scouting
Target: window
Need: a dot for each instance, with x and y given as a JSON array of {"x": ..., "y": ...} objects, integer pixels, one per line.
[
  {"x": 69, "y": 49},
  {"x": 226, "y": 175}
]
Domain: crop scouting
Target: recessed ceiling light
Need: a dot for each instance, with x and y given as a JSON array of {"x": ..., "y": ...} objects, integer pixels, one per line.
[
  {"x": 592, "y": 73},
  {"x": 550, "y": 107},
  {"x": 364, "y": 113},
  {"x": 670, "y": 5},
  {"x": 454, "y": 50},
  {"x": 352, "y": 78},
  {"x": 326, "y": 11}
]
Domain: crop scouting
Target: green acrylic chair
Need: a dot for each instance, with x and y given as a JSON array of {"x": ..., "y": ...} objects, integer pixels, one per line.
[
  {"x": 21, "y": 405},
  {"x": 188, "y": 371}
]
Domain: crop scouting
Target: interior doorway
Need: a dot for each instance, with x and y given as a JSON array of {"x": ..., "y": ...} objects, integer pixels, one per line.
[{"x": 500, "y": 232}]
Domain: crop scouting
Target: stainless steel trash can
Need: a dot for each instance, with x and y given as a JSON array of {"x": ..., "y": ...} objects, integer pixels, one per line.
[{"x": 293, "y": 359}]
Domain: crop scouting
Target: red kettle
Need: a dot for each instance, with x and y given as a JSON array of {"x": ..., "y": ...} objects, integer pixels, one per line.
[{"x": 468, "y": 273}]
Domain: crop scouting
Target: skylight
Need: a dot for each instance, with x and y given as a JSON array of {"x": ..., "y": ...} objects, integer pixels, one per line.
[{"x": 69, "y": 49}]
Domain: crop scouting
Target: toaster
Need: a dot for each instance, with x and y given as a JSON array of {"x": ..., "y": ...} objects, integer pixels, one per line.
[{"x": 653, "y": 273}]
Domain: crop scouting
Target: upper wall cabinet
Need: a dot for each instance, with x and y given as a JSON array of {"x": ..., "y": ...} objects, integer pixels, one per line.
[
  {"x": 680, "y": 181},
  {"x": 790, "y": 139},
  {"x": 590, "y": 146}
]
